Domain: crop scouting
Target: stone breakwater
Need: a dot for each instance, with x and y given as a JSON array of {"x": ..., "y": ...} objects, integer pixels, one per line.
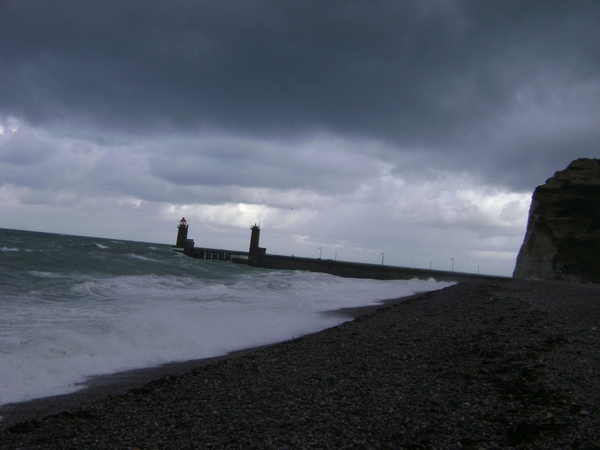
[{"x": 509, "y": 364}]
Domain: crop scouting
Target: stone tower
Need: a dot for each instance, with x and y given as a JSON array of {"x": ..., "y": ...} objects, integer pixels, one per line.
[
  {"x": 182, "y": 230},
  {"x": 255, "y": 250}
]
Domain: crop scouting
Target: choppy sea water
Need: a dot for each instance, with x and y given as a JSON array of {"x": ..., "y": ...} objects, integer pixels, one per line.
[{"x": 75, "y": 307}]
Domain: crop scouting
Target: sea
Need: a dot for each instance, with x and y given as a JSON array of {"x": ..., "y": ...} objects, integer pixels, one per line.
[{"x": 74, "y": 307}]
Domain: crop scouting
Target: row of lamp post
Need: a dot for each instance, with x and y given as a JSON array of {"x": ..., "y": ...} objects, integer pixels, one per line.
[{"x": 383, "y": 258}]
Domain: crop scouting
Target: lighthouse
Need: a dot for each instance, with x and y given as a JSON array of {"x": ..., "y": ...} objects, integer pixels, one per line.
[
  {"x": 255, "y": 250},
  {"x": 182, "y": 230},
  {"x": 254, "y": 239}
]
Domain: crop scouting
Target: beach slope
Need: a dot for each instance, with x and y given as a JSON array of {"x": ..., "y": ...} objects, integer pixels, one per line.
[{"x": 507, "y": 364}]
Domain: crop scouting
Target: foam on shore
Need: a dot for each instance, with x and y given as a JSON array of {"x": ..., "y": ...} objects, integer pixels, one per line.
[{"x": 494, "y": 365}]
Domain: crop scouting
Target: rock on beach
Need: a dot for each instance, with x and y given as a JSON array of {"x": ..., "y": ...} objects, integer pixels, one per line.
[{"x": 507, "y": 364}]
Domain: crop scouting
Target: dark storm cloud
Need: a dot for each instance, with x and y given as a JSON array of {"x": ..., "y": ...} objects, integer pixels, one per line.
[
  {"x": 446, "y": 79},
  {"x": 323, "y": 165}
]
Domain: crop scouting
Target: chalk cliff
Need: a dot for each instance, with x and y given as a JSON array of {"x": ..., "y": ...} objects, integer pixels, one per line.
[{"x": 562, "y": 241}]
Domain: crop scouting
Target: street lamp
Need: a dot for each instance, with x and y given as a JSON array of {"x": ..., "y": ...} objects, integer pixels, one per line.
[
  {"x": 320, "y": 252},
  {"x": 452, "y": 264},
  {"x": 382, "y": 259}
]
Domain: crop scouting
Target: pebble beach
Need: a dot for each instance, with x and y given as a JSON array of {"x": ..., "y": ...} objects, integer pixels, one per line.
[{"x": 502, "y": 364}]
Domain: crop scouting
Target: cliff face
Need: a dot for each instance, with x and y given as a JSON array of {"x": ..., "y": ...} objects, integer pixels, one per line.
[{"x": 562, "y": 241}]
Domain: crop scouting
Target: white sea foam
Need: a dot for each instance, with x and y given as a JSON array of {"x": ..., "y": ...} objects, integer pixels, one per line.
[
  {"x": 6, "y": 249},
  {"x": 107, "y": 324},
  {"x": 38, "y": 273},
  {"x": 141, "y": 258},
  {"x": 102, "y": 246}
]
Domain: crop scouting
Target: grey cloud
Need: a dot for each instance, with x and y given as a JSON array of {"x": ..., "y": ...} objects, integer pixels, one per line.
[
  {"x": 25, "y": 148},
  {"x": 508, "y": 91},
  {"x": 317, "y": 164}
]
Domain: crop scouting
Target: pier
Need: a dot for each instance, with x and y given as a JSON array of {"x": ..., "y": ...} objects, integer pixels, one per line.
[
  {"x": 363, "y": 270},
  {"x": 257, "y": 256},
  {"x": 210, "y": 253},
  {"x": 187, "y": 247}
]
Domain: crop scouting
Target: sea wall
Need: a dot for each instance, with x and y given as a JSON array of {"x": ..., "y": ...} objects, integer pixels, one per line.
[{"x": 361, "y": 270}]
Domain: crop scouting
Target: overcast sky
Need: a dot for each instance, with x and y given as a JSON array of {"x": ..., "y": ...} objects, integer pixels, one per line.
[{"x": 414, "y": 129}]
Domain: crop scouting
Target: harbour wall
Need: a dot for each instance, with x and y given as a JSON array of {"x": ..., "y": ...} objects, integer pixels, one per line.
[
  {"x": 361, "y": 270},
  {"x": 257, "y": 257}
]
